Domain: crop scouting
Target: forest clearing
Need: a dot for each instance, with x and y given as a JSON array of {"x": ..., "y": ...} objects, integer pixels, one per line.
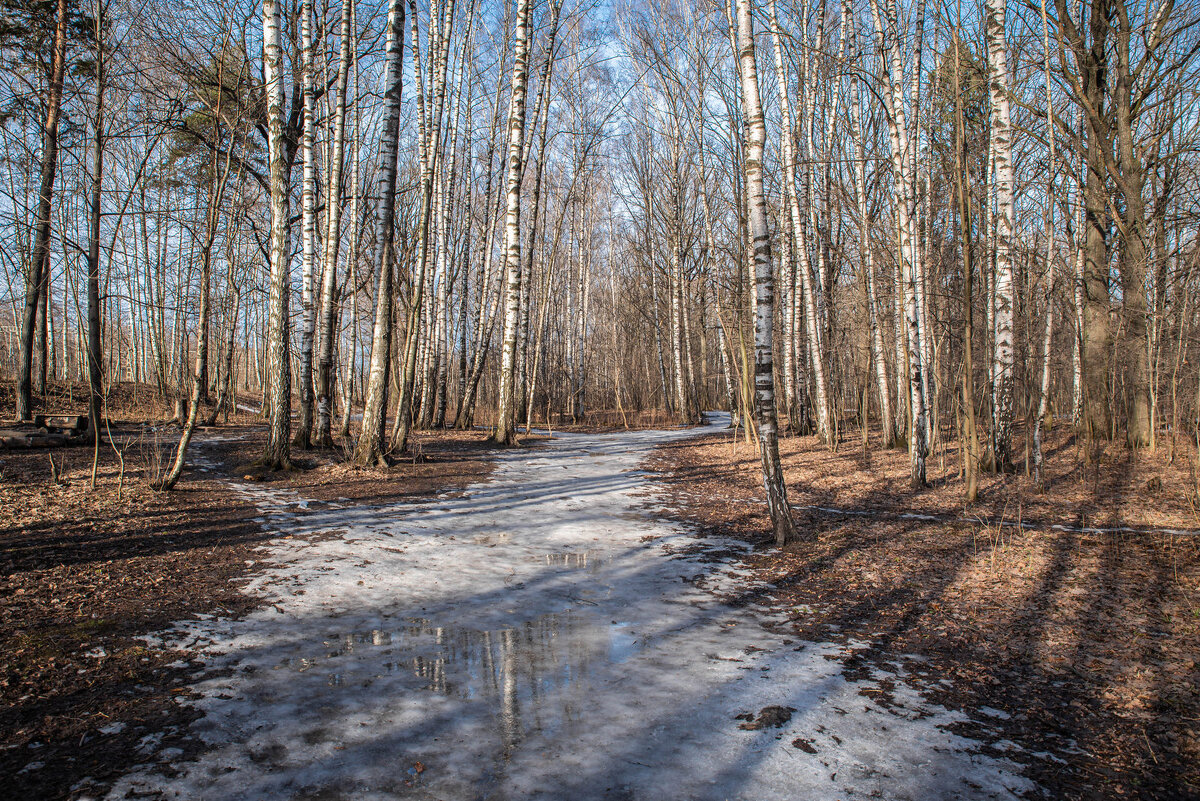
[{"x": 569, "y": 399}]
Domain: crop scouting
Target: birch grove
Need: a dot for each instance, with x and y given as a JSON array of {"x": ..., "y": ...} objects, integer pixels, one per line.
[{"x": 960, "y": 231}]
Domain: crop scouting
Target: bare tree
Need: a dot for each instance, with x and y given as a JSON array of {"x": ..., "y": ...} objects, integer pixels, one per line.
[
  {"x": 760, "y": 238},
  {"x": 371, "y": 448},
  {"x": 277, "y": 453},
  {"x": 41, "y": 247},
  {"x": 504, "y": 432}
]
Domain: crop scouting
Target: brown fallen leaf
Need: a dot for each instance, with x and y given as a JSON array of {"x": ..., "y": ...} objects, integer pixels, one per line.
[{"x": 768, "y": 716}]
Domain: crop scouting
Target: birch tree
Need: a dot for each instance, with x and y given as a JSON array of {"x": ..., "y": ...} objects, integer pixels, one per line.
[
  {"x": 327, "y": 306},
  {"x": 504, "y": 428},
  {"x": 887, "y": 36},
  {"x": 1005, "y": 286},
  {"x": 277, "y": 453},
  {"x": 308, "y": 227},
  {"x": 371, "y": 447},
  {"x": 866, "y": 251},
  {"x": 760, "y": 237},
  {"x": 800, "y": 237}
]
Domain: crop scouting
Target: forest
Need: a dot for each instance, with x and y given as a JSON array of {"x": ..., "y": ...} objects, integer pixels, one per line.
[{"x": 391, "y": 348}]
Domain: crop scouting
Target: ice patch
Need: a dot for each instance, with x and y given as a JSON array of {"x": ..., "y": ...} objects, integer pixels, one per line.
[{"x": 536, "y": 637}]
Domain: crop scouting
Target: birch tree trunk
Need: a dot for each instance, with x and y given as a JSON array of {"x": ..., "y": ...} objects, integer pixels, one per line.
[
  {"x": 764, "y": 377},
  {"x": 433, "y": 411},
  {"x": 352, "y": 255},
  {"x": 731, "y": 395},
  {"x": 308, "y": 228},
  {"x": 505, "y": 424},
  {"x": 523, "y": 396},
  {"x": 889, "y": 54},
  {"x": 658, "y": 343},
  {"x": 449, "y": 273},
  {"x": 441, "y": 26},
  {"x": 919, "y": 221},
  {"x": 1043, "y": 408},
  {"x": 327, "y": 307},
  {"x": 1002, "y": 356},
  {"x": 371, "y": 446},
  {"x": 709, "y": 276},
  {"x": 867, "y": 256},
  {"x": 279, "y": 397},
  {"x": 1078, "y": 242},
  {"x": 675, "y": 287},
  {"x": 800, "y": 236},
  {"x": 488, "y": 303}
]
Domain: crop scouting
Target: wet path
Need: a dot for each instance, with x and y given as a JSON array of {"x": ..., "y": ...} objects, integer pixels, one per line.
[{"x": 539, "y": 637}]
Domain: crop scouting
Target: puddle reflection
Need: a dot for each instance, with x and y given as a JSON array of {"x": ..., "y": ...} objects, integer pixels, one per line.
[
  {"x": 577, "y": 560},
  {"x": 532, "y": 675}
]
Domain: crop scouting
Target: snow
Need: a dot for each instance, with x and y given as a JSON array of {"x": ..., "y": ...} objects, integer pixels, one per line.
[{"x": 538, "y": 637}]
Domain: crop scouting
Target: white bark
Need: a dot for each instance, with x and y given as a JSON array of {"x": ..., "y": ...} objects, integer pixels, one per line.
[
  {"x": 919, "y": 217},
  {"x": 1002, "y": 357},
  {"x": 440, "y": 31},
  {"x": 278, "y": 364},
  {"x": 370, "y": 448},
  {"x": 308, "y": 226},
  {"x": 327, "y": 309},
  {"x": 866, "y": 253},
  {"x": 1052, "y": 170},
  {"x": 812, "y": 318},
  {"x": 764, "y": 377},
  {"x": 889, "y": 50},
  {"x": 353, "y": 252},
  {"x": 505, "y": 423},
  {"x": 489, "y": 293}
]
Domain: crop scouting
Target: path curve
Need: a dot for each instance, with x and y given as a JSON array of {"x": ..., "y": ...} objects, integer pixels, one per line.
[{"x": 541, "y": 636}]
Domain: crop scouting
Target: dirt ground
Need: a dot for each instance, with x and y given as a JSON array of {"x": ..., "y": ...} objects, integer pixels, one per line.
[
  {"x": 1081, "y": 644},
  {"x": 86, "y": 573},
  {"x": 1080, "y": 647}
]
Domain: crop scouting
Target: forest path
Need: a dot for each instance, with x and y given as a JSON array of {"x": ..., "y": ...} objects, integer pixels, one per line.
[{"x": 540, "y": 636}]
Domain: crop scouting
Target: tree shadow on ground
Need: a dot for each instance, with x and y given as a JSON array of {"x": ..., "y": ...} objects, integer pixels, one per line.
[
  {"x": 369, "y": 694},
  {"x": 1083, "y": 641}
]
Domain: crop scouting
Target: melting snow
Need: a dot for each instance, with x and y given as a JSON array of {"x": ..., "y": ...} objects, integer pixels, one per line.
[{"x": 534, "y": 638}]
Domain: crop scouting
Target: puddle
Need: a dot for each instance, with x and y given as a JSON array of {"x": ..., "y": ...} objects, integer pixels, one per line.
[
  {"x": 533, "y": 677},
  {"x": 573, "y": 560}
]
